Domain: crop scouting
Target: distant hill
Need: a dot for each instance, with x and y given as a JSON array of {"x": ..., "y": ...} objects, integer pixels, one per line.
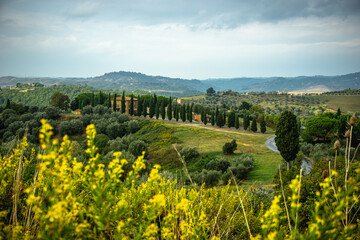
[{"x": 182, "y": 87}]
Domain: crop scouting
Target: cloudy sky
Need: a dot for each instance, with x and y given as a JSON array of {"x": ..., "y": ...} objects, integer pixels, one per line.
[{"x": 179, "y": 38}]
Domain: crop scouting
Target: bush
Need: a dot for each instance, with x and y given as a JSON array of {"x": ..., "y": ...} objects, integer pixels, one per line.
[
  {"x": 101, "y": 141},
  {"x": 305, "y": 148},
  {"x": 87, "y": 110},
  {"x": 52, "y": 112},
  {"x": 132, "y": 126},
  {"x": 189, "y": 153},
  {"x": 115, "y": 130},
  {"x": 26, "y": 117},
  {"x": 230, "y": 147},
  {"x": 72, "y": 127},
  {"x": 209, "y": 177},
  {"x": 137, "y": 147},
  {"x": 218, "y": 164},
  {"x": 13, "y": 127},
  {"x": 120, "y": 144},
  {"x": 101, "y": 110}
]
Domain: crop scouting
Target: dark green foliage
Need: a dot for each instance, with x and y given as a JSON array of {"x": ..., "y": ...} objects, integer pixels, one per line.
[
  {"x": 87, "y": 110},
  {"x": 132, "y": 126},
  {"x": 218, "y": 164},
  {"x": 60, "y": 100},
  {"x": 220, "y": 119},
  {"x": 253, "y": 125},
  {"x": 52, "y": 112},
  {"x": 210, "y": 91},
  {"x": 263, "y": 125},
  {"x": 169, "y": 110},
  {"x": 230, "y": 147},
  {"x": 152, "y": 108},
  {"x": 109, "y": 101},
  {"x": 342, "y": 126},
  {"x": 338, "y": 113},
  {"x": 183, "y": 113},
  {"x": 139, "y": 107},
  {"x": 92, "y": 99},
  {"x": 163, "y": 109},
  {"x": 114, "y": 103},
  {"x": 241, "y": 166},
  {"x": 231, "y": 119},
  {"x": 144, "y": 110},
  {"x": 101, "y": 98},
  {"x": 72, "y": 127},
  {"x": 123, "y": 108},
  {"x": 176, "y": 113},
  {"x": 190, "y": 113},
  {"x": 212, "y": 119},
  {"x": 131, "y": 107},
  {"x": 100, "y": 109},
  {"x": 189, "y": 153},
  {"x": 237, "y": 124},
  {"x": 157, "y": 110},
  {"x": 101, "y": 141},
  {"x": 137, "y": 147},
  {"x": 321, "y": 128},
  {"x": 245, "y": 105},
  {"x": 205, "y": 119},
  {"x": 116, "y": 129},
  {"x": 246, "y": 122},
  {"x": 209, "y": 177},
  {"x": 287, "y": 136}
]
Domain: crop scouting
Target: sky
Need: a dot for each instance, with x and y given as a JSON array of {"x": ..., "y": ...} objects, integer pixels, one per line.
[{"x": 192, "y": 39}]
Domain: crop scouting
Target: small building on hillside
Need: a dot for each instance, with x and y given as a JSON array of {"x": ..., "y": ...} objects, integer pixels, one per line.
[
  {"x": 77, "y": 112},
  {"x": 127, "y": 104},
  {"x": 180, "y": 101}
]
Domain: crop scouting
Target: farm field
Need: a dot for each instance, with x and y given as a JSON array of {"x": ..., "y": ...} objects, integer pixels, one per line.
[
  {"x": 346, "y": 103},
  {"x": 209, "y": 141}
]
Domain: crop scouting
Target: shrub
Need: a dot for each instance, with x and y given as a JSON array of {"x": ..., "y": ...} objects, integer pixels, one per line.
[
  {"x": 52, "y": 112},
  {"x": 72, "y": 127},
  {"x": 132, "y": 126},
  {"x": 13, "y": 127},
  {"x": 230, "y": 147},
  {"x": 101, "y": 110},
  {"x": 120, "y": 144},
  {"x": 87, "y": 110},
  {"x": 209, "y": 177},
  {"x": 101, "y": 140},
  {"x": 26, "y": 117},
  {"x": 218, "y": 164},
  {"x": 115, "y": 130},
  {"x": 305, "y": 148},
  {"x": 189, "y": 153},
  {"x": 137, "y": 147}
]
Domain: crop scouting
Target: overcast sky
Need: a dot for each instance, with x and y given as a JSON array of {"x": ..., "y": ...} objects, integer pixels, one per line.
[{"x": 179, "y": 38}]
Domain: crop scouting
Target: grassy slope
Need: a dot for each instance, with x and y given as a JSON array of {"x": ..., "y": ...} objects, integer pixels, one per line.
[
  {"x": 209, "y": 141},
  {"x": 346, "y": 103}
]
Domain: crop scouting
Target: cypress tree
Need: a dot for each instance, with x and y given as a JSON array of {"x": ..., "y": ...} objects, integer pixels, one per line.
[
  {"x": 246, "y": 123},
  {"x": 155, "y": 99},
  {"x": 224, "y": 118},
  {"x": 183, "y": 113},
  {"x": 114, "y": 103},
  {"x": 190, "y": 113},
  {"x": 131, "y": 107},
  {"x": 139, "y": 107},
  {"x": 7, "y": 104},
  {"x": 162, "y": 111},
  {"x": 123, "y": 103},
  {"x": 202, "y": 114},
  {"x": 92, "y": 99},
  {"x": 231, "y": 120},
  {"x": 151, "y": 108},
  {"x": 109, "y": 101},
  {"x": 263, "y": 125},
  {"x": 101, "y": 98},
  {"x": 205, "y": 118},
  {"x": 254, "y": 125},
  {"x": 144, "y": 111},
  {"x": 220, "y": 119},
  {"x": 169, "y": 110},
  {"x": 338, "y": 113},
  {"x": 237, "y": 124},
  {"x": 212, "y": 119},
  {"x": 176, "y": 112},
  {"x": 157, "y": 110}
]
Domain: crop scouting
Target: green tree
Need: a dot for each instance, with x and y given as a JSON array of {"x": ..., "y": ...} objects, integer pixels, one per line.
[
  {"x": 183, "y": 113},
  {"x": 263, "y": 125},
  {"x": 157, "y": 109},
  {"x": 163, "y": 109},
  {"x": 152, "y": 108},
  {"x": 254, "y": 125},
  {"x": 139, "y": 107},
  {"x": 131, "y": 107},
  {"x": 205, "y": 118},
  {"x": 176, "y": 112},
  {"x": 246, "y": 121},
  {"x": 287, "y": 136},
  {"x": 321, "y": 128},
  {"x": 210, "y": 91},
  {"x": 212, "y": 119},
  {"x": 231, "y": 119},
  {"x": 108, "y": 102},
  {"x": 93, "y": 99},
  {"x": 144, "y": 110},
  {"x": 101, "y": 98},
  {"x": 123, "y": 103},
  {"x": 60, "y": 100},
  {"x": 114, "y": 103},
  {"x": 338, "y": 113},
  {"x": 169, "y": 110},
  {"x": 190, "y": 113},
  {"x": 220, "y": 119},
  {"x": 237, "y": 124}
]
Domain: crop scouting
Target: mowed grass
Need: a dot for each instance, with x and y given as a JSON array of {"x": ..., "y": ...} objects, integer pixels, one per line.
[
  {"x": 209, "y": 142},
  {"x": 348, "y": 104}
]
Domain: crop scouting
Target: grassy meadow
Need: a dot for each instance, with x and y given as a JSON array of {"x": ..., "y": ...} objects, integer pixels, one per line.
[
  {"x": 345, "y": 102},
  {"x": 209, "y": 141}
]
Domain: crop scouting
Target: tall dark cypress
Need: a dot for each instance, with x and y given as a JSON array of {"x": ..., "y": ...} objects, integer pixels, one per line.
[
  {"x": 131, "y": 107},
  {"x": 144, "y": 111},
  {"x": 139, "y": 107},
  {"x": 152, "y": 108},
  {"x": 217, "y": 112},
  {"x": 263, "y": 125},
  {"x": 183, "y": 113},
  {"x": 114, "y": 103},
  {"x": 163, "y": 109},
  {"x": 92, "y": 99},
  {"x": 101, "y": 99},
  {"x": 109, "y": 101},
  {"x": 231, "y": 119},
  {"x": 7, "y": 104},
  {"x": 155, "y": 99},
  {"x": 245, "y": 122},
  {"x": 190, "y": 113},
  {"x": 169, "y": 110},
  {"x": 224, "y": 118},
  {"x": 205, "y": 118},
  {"x": 202, "y": 114},
  {"x": 176, "y": 113},
  {"x": 254, "y": 125},
  {"x": 237, "y": 124},
  {"x": 123, "y": 103},
  {"x": 157, "y": 110},
  {"x": 212, "y": 119},
  {"x": 220, "y": 119}
]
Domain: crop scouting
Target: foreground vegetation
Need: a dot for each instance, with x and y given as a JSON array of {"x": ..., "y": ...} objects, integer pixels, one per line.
[{"x": 56, "y": 196}]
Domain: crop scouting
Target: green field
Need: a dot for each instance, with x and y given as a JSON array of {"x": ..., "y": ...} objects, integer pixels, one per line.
[
  {"x": 209, "y": 141},
  {"x": 346, "y": 103}
]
